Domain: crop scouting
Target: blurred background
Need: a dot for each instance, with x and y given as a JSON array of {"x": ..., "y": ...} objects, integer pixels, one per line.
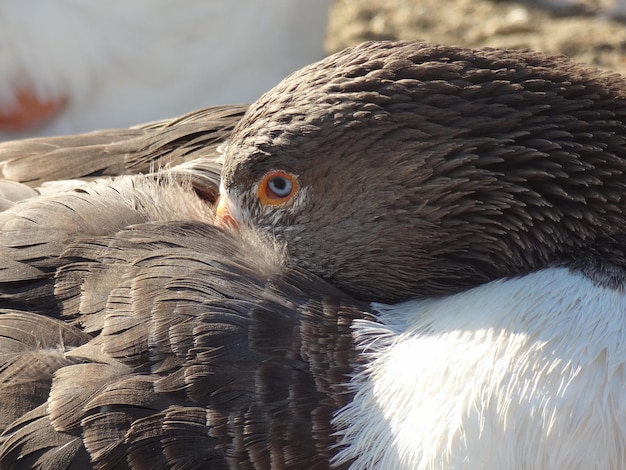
[
  {"x": 73, "y": 66},
  {"x": 592, "y": 31}
]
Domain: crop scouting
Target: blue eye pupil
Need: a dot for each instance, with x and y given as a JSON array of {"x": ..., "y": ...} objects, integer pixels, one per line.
[{"x": 280, "y": 186}]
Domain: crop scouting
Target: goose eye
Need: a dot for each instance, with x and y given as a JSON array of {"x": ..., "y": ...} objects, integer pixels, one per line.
[{"x": 277, "y": 187}]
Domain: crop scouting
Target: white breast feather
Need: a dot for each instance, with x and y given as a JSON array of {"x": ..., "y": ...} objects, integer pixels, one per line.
[{"x": 526, "y": 373}]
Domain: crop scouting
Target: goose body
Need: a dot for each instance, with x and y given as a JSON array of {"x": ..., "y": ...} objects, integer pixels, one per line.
[{"x": 426, "y": 271}]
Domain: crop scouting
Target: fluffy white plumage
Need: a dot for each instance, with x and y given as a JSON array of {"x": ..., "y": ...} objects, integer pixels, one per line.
[
  {"x": 516, "y": 374},
  {"x": 122, "y": 63}
]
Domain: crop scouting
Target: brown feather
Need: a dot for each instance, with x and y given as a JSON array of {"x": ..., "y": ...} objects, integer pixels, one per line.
[
  {"x": 198, "y": 346},
  {"x": 116, "y": 152}
]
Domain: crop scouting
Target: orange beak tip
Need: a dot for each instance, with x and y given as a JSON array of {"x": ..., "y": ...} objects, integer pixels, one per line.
[{"x": 223, "y": 216}]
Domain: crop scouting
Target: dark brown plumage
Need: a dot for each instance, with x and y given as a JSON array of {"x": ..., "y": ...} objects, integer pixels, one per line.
[
  {"x": 182, "y": 317},
  {"x": 35, "y": 235},
  {"x": 472, "y": 165},
  {"x": 135, "y": 333}
]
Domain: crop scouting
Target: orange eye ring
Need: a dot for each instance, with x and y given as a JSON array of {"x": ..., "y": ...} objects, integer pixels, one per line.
[{"x": 277, "y": 187}]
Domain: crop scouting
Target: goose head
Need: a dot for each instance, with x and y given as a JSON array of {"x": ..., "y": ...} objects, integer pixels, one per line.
[{"x": 404, "y": 170}]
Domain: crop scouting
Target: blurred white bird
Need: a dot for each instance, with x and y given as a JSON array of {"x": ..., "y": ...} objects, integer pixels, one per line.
[{"x": 73, "y": 65}]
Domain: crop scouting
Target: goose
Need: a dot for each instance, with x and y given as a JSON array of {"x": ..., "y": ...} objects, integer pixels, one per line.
[
  {"x": 72, "y": 67},
  {"x": 415, "y": 261}
]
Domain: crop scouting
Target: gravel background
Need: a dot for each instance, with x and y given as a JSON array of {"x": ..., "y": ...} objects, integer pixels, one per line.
[{"x": 587, "y": 30}]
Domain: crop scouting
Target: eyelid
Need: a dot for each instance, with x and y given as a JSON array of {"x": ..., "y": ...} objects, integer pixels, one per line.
[{"x": 267, "y": 197}]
